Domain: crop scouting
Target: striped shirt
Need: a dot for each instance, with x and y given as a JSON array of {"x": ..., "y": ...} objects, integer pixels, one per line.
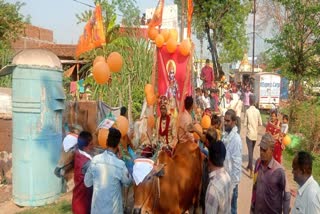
[{"x": 219, "y": 192}]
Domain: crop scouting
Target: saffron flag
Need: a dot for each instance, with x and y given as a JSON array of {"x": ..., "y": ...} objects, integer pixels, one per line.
[
  {"x": 173, "y": 81},
  {"x": 93, "y": 34},
  {"x": 189, "y": 18},
  {"x": 157, "y": 15}
]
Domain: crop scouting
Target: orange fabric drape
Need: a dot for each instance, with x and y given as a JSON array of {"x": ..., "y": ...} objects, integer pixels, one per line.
[
  {"x": 93, "y": 34},
  {"x": 189, "y": 19},
  {"x": 157, "y": 15}
]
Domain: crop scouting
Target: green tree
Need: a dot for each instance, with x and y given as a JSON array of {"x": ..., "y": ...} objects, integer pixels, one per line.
[
  {"x": 11, "y": 22},
  {"x": 11, "y": 26},
  {"x": 224, "y": 25},
  {"x": 296, "y": 48}
]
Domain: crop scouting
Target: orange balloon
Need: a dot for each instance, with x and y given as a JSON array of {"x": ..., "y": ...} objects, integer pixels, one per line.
[
  {"x": 171, "y": 45},
  {"x": 102, "y": 137},
  {"x": 115, "y": 61},
  {"x": 205, "y": 122},
  {"x": 99, "y": 59},
  {"x": 173, "y": 34},
  {"x": 286, "y": 140},
  {"x": 152, "y": 33},
  {"x": 223, "y": 78},
  {"x": 165, "y": 34},
  {"x": 185, "y": 47},
  {"x": 159, "y": 40},
  {"x": 101, "y": 72},
  {"x": 148, "y": 89},
  {"x": 151, "y": 121},
  {"x": 122, "y": 124},
  {"x": 151, "y": 99},
  {"x": 199, "y": 128}
]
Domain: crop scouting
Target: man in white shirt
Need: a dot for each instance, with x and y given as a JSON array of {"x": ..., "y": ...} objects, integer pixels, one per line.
[
  {"x": 308, "y": 195},
  {"x": 233, "y": 161},
  {"x": 205, "y": 99},
  {"x": 252, "y": 120},
  {"x": 236, "y": 104}
]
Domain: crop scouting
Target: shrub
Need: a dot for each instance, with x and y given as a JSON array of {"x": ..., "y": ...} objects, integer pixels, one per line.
[{"x": 304, "y": 121}]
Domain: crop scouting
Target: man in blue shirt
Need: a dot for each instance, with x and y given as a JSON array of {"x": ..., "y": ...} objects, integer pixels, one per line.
[{"x": 107, "y": 173}]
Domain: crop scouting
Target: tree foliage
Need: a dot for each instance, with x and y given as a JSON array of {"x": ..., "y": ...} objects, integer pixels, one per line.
[
  {"x": 224, "y": 24},
  {"x": 11, "y": 26},
  {"x": 296, "y": 48},
  {"x": 128, "y": 9},
  {"x": 11, "y": 22}
]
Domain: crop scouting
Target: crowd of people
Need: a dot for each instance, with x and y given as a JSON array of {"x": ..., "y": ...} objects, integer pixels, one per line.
[{"x": 99, "y": 179}]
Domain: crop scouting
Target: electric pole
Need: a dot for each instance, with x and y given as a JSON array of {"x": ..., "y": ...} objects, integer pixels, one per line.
[{"x": 253, "y": 34}]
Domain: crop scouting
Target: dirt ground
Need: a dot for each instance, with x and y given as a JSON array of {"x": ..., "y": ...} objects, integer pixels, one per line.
[{"x": 245, "y": 187}]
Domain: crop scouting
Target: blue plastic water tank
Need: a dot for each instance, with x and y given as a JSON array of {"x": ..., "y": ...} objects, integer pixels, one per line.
[{"x": 37, "y": 104}]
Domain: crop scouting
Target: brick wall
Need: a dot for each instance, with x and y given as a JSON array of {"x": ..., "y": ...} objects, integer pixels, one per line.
[
  {"x": 36, "y": 37},
  {"x": 33, "y": 37}
]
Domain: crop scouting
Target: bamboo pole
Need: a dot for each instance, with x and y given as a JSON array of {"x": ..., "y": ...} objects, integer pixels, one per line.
[
  {"x": 130, "y": 103},
  {"x": 187, "y": 79}
]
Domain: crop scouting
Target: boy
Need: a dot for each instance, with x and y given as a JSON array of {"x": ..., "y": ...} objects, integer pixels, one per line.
[
  {"x": 284, "y": 125},
  {"x": 284, "y": 128}
]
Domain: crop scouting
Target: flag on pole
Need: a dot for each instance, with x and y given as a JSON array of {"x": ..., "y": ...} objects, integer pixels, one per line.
[
  {"x": 93, "y": 34},
  {"x": 157, "y": 15}
]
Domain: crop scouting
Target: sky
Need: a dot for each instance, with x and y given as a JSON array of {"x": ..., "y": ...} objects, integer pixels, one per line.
[{"x": 59, "y": 16}]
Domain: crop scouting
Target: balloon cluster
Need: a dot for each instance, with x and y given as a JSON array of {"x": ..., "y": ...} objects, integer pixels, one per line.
[
  {"x": 102, "y": 67},
  {"x": 170, "y": 37}
]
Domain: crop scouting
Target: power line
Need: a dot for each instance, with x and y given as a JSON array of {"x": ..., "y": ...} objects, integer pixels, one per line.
[
  {"x": 92, "y": 6},
  {"x": 84, "y": 3}
]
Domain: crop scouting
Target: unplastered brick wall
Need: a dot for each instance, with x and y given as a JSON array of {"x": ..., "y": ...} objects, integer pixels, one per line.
[
  {"x": 37, "y": 33},
  {"x": 33, "y": 37}
]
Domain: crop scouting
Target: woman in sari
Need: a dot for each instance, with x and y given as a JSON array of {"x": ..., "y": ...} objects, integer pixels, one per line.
[{"x": 273, "y": 127}]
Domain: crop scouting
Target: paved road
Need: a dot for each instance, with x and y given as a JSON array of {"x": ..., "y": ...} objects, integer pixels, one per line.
[{"x": 245, "y": 186}]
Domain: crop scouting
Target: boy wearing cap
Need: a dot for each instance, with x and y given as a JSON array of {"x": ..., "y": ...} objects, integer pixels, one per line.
[{"x": 270, "y": 193}]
